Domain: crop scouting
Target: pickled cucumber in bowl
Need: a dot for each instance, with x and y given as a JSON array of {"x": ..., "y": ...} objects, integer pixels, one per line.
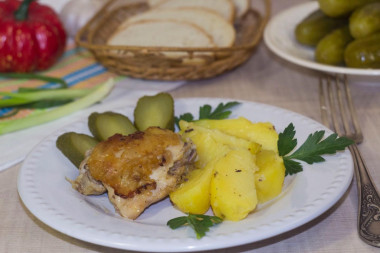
[{"x": 343, "y": 33}]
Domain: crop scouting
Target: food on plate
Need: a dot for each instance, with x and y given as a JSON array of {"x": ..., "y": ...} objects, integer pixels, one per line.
[
  {"x": 199, "y": 222},
  {"x": 232, "y": 194},
  {"x": 335, "y": 8},
  {"x": 315, "y": 26},
  {"x": 141, "y": 168},
  {"x": 364, "y": 52},
  {"x": 39, "y": 34},
  {"x": 193, "y": 195},
  {"x": 332, "y": 46},
  {"x": 157, "y": 110},
  {"x": 75, "y": 145},
  {"x": 365, "y": 20},
  {"x": 211, "y": 162},
  {"x": 269, "y": 178},
  {"x": 104, "y": 125},
  {"x": 262, "y": 133},
  {"x": 210, "y": 141},
  {"x": 221, "y": 31},
  {"x": 85, "y": 183},
  {"x": 222, "y": 111},
  {"x": 205, "y": 187},
  {"x": 330, "y": 49},
  {"x": 224, "y": 7}
]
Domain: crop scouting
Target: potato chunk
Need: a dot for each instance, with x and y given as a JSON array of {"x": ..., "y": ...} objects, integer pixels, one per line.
[
  {"x": 233, "y": 191},
  {"x": 262, "y": 133},
  {"x": 270, "y": 176},
  {"x": 209, "y": 142},
  {"x": 193, "y": 196}
]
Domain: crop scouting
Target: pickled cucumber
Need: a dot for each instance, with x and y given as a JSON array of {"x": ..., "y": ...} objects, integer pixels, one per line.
[
  {"x": 155, "y": 110},
  {"x": 104, "y": 125},
  {"x": 365, "y": 20},
  {"x": 74, "y": 146},
  {"x": 315, "y": 26},
  {"x": 336, "y": 8},
  {"x": 330, "y": 50},
  {"x": 364, "y": 52}
]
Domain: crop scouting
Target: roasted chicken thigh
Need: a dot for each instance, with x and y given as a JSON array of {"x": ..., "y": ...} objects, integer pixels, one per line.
[{"x": 136, "y": 170}]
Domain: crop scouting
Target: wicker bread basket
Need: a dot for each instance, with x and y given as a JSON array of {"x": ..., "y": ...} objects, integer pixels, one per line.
[{"x": 151, "y": 63}]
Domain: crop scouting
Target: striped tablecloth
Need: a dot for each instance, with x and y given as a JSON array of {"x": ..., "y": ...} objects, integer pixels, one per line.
[{"x": 77, "y": 67}]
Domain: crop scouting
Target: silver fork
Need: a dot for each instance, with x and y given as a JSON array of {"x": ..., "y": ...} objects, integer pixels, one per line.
[{"x": 339, "y": 113}]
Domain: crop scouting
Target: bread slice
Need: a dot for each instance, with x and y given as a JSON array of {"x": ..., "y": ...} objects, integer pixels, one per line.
[
  {"x": 153, "y": 3},
  {"x": 161, "y": 33},
  {"x": 221, "y": 31},
  {"x": 241, "y": 7},
  {"x": 224, "y": 7}
]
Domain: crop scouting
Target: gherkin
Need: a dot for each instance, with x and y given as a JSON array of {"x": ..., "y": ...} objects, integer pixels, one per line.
[
  {"x": 315, "y": 26},
  {"x": 338, "y": 8}
]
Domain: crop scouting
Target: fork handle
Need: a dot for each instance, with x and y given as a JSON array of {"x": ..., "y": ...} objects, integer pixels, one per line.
[{"x": 369, "y": 201}]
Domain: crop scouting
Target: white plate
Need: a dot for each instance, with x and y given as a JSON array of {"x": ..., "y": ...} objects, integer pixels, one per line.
[
  {"x": 46, "y": 193},
  {"x": 279, "y": 37}
]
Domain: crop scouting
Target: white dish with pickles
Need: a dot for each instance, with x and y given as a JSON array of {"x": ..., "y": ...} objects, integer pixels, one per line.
[
  {"x": 279, "y": 36},
  {"x": 45, "y": 191}
]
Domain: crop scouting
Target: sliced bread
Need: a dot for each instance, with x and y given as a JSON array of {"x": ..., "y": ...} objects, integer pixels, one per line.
[
  {"x": 241, "y": 7},
  {"x": 221, "y": 31},
  {"x": 224, "y": 7},
  {"x": 161, "y": 33},
  {"x": 153, "y": 3}
]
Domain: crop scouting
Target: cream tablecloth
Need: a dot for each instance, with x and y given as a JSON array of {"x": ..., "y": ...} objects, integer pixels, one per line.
[{"x": 264, "y": 78}]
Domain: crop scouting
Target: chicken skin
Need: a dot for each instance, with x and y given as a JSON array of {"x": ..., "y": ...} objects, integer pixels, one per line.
[{"x": 139, "y": 169}]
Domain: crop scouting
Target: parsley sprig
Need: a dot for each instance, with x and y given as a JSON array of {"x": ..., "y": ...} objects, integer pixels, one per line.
[
  {"x": 205, "y": 112},
  {"x": 199, "y": 222},
  {"x": 310, "y": 151}
]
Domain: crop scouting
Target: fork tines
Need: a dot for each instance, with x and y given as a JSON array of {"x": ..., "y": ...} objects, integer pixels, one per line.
[{"x": 337, "y": 108}]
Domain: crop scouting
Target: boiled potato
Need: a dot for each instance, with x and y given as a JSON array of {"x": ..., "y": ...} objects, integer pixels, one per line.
[
  {"x": 193, "y": 196},
  {"x": 211, "y": 142},
  {"x": 233, "y": 192},
  {"x": 269, "y": 179},
  {"x": 262, "y": 133},
  {"x": 221, "y": 137}
]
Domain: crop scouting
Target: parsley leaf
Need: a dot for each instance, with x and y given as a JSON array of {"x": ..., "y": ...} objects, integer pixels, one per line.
[
  {"x": 200, "y": 223},
  {"x": 205, "y": 112},
  {"x": 286, "y": 141},
  {"x": 292, "y": 167},
  {"x": 310, "y": 151},
  {"x": 220, "y": 112},
  {"x": 186, "y": 117}
]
